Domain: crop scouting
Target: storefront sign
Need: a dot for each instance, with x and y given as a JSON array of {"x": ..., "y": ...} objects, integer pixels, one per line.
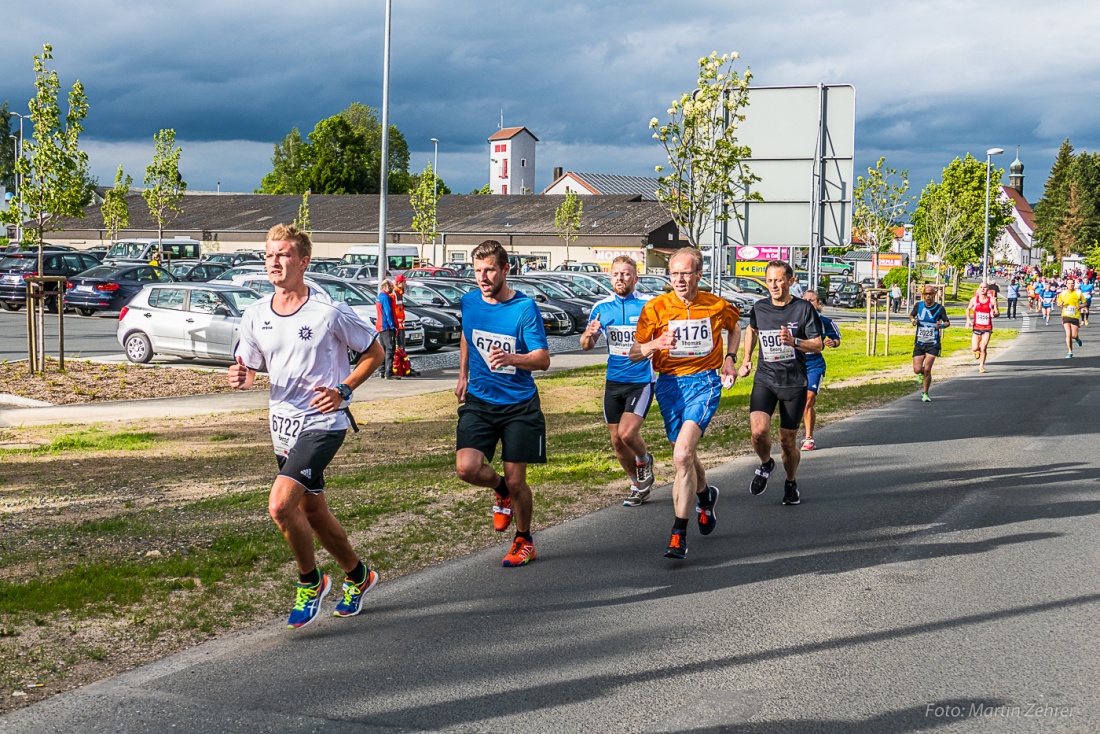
[
  {"x": 763, "y": 253},
  {"x": 751, "y": 268}
]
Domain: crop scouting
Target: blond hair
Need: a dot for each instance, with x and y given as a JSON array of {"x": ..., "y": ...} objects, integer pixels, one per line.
[
  {"x": 695, "y": 255},
  {"x": 625, "y": 260},
  {"x": 291, "y": 233}
]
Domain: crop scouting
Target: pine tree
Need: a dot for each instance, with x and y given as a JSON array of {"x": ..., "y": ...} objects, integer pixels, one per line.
[
  {"x": 1051, "y": 209},
  {"x": 1067, "y": 239}
]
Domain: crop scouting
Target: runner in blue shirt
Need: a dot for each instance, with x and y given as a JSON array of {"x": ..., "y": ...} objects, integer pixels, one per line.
[
  {"x": 628, "y": 392},
  {"x": 930, "y": 318},
  {"x": 1086, "y": 288},
  {"x": 1046, "y": 300},
  {"x": 815, "y": 369},
  {"x": 503, "y": 341}
]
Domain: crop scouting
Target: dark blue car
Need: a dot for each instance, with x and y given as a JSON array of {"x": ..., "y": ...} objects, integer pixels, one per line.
[{"x": 110, "y": 287}]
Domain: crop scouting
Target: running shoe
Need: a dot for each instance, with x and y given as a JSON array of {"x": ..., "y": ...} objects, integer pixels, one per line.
[
  {"x": 981, "y": 368},
  {"x": 677, "y": 546},
  {"x": 645, "y": 473},
  {"x": 760, "y": 481},
  {"x": 352, "y": 602},
  {"x": 1069, "y": 355},
  {"x": 707, "y": 519},
  {"x": 502, "y": 513},
  {"x": 924, "y": 398},
  {"x": 790, "y": 493},
  {"x": 637, "y": 496},
  {"x": 977, "y": 354},
  {"x": 808, "y": 445},
  {"x": 522, "y": 553},
  {"x": 307, "y": 603},
  {"x": 1078, "y": 340}
]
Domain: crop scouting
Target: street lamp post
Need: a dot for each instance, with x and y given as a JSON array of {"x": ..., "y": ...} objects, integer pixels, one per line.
[
  {"x": 19, "y": 179},
  {"x": 435, "y": 198},
  {"x": 985, "y": 249},
  {"x": 383, "y": 186}
]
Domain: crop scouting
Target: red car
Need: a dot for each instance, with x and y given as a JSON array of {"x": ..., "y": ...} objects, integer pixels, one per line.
[{"x": 428, "y": 271}]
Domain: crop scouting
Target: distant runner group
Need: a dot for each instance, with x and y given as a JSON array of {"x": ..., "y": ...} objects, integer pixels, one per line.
[{"x": 681, "y": 348}]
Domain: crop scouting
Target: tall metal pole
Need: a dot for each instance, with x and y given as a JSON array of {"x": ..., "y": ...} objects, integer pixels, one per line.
[
  {"x": 19, "y": 179},
  {"x": 435, "y": 198},
  {"x": 383, "y": 187},
  {"x": 985, "y": 249}
]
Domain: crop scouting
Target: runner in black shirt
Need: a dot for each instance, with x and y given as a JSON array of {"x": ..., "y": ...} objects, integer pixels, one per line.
[{"x": 786, "y": 329}]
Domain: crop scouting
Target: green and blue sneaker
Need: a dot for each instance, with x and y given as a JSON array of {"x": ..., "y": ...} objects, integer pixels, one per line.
[
  {"x": 352, "y": 602},
  {"x": 307, "y": 604}
]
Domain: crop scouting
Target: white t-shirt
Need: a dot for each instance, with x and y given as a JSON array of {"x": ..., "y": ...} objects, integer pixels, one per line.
[
  {"x": 796, "y": 289},
  {"x": 303, "y": 350}
]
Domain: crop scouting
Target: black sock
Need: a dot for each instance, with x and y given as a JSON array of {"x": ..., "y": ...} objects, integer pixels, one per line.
[
  {"x": 310, "y": 579},
  {"x": 501, "y": 488},
  {"x": 680, "y": 525},
  {"x": 359, "y": 574},
  {"x": 704, "y": 496},
  {"x": 525, "y": 535}
]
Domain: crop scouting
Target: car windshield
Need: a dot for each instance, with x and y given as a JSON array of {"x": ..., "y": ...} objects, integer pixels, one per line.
[
  {"x": 228, "y": 275},
  {"x": 19, "y": 264},
  {"x": 588, "y": 287},
  {"x": 242, "y": 299},
  {"x": 340, "y": 291},
  {"x": 180, "y": 270},
  {"x": 101, "y": 271},
  {"x": 848, "y": 288},
  {"x": 127, "y": 249},
  {"x": 527, "y": 289},
  {"x": 555, "y": 289},
  {"x": 449, "y": 292}
]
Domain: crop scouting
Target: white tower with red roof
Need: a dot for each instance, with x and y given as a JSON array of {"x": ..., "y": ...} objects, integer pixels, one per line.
[{"x": 512, "y": 161}]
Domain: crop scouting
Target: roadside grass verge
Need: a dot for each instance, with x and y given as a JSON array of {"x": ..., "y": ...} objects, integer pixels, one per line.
[{"x": 95, "y": 579}]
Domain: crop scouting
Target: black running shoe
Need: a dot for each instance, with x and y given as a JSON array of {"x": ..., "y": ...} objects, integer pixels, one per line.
[
  {"x": 790, "y": 493},
  {"x": 677, "y": 546},
  {"x": 645, "y": 473},
  {"x": 760, "y": 481},
  {"x": 707, "y": 519}
]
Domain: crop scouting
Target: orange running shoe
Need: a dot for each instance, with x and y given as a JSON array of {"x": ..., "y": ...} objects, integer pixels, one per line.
[
  {"x": 523, "y": 552},
  {"x": 502, "y": 513}
]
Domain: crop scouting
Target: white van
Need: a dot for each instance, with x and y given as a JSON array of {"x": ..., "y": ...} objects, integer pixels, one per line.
[
  {"x": 401, "y": 257},
  {"x": 144, "y": 249}
]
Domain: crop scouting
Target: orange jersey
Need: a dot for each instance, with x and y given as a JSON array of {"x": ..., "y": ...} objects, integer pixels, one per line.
[{"x": 698, "y": 330}]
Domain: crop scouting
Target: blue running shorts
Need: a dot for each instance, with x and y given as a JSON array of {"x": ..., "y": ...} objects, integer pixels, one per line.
[
  {"x": 688, "y": 398},
  {"x": 814, "y": 376}
]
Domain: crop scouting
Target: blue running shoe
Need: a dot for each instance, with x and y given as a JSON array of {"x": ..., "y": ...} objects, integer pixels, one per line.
[
  {"x": 707, "y": 518},
  {"x": 352, "y": 602},
  {"x": 307, "y": 604}
]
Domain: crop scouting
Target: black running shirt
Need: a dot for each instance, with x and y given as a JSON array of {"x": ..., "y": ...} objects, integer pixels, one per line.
[{"x": 779, "y": 365}]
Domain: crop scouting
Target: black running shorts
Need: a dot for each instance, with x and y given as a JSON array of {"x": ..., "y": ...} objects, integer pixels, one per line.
[
  {"x": 626, "y": 397},
  {"x": 1071, "y": 320},
  {"x": 920, "y": 349},
  {"x": 309, "y": 457},
  {"x": 791, "y": 402},
  {"x": 520, "y": 429}
]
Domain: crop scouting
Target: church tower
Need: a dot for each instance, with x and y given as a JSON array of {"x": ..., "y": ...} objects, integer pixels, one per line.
[{"x": 1016, "y": 173}]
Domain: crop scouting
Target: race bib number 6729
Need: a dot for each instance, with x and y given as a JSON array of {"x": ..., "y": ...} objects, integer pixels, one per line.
[{"x": 484, "y": 341}]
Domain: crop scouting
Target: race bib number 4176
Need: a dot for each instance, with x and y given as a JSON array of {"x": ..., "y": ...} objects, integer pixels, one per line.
[{"x": 694, "y": 337}]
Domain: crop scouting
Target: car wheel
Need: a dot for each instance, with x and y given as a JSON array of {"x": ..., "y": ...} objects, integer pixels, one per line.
[
  {"x": 139, "y": 349},
  {"x": 11, "y": 306},
  {"x": 846, "y": 272},
  {"x": 51, "y": 304},
  {"x": 86, "y": 311}
]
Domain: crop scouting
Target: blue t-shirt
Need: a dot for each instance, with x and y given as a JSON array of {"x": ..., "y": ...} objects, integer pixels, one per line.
[
  {"x": 514, "y": 326},
  {"x": 927, "y": 317},
  {"x": 828, "y": 331},
  {"x": 618, "y": 319},
  {"x": 1048, "y": 296},
  {"x": 1086, "y": 290}
]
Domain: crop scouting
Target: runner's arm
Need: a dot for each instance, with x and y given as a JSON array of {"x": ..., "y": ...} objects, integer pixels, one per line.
[
  {"x": 463, "y": 369},
  {"x": 810, "y": 346},
  {"x": 591, "y": 333},
  {"x": 639, "y": 351},
  {"x": 733, "y": 341},
  {"x": 329, "y": 399},
  {"x": 750, "y": 345}
]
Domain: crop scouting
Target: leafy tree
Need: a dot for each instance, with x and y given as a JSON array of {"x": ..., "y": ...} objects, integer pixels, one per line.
[
  {"x": 898, "y": 275},
  {"x": 53, "y": 168},
  {"x": 879, "y": 205},
  {"x": 414, "y": 181},
  {"x": 485, "y": 190},
  {"x": 424, "y": 199},
  {"x": 337, "y": 158},
  {"x": 7, "y": 149},
  {"x": 1067, "y": 240},
  {"x": 1051, "y": 209},
  {"x": 288, "y": 165},
  {"x": 567, "y": 218},
  {"x": 705, "y": 161},
  {"x": 164, "y": 186},
  {"x": 941, "y": 226},
  {"x": 302, "y": 220},
  {"x": 116, "y": 213}
]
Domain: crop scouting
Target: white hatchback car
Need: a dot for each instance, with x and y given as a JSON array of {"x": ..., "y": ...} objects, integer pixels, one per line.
[{"x": 184, "y": 319}]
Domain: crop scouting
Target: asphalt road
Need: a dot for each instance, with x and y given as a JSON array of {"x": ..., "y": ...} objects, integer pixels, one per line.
[{"x": 940, "y": 575}]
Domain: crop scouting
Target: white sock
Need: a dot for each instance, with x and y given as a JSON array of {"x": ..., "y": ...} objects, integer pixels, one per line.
[{"x": 642, "y": 460}]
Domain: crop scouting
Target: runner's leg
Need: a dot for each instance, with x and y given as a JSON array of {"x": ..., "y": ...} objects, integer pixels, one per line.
[
  {"x": 929, "y": 360},
  {"x": 983, "y": 341},
  {"x": 515, "y": 475},
  {"x": 791, "y": 455},
  {"x": 623, "y": 453},
  {"x": 1068, "y": 328},
  {"x": 330, "y": 533},
  {"x": 761, "y": 423},
  {"x": 284, "y": 504},
  {"x": 471, "y": 468},
  {"x": 809, "y": 416},
  {"x": 689, "y": 476}
]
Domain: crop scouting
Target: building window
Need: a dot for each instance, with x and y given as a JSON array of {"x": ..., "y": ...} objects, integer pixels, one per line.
[
  {"x": 504, "y": 168},
  {"x": 458, "y": 257},
  {"x": 499, "y": 148},
  {"x": 523, "y": 163},
  {"x": 504, "y": 189}
]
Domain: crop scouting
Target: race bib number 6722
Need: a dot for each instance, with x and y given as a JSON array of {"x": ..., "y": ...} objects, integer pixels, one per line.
[{"x": 285, "y": 429}]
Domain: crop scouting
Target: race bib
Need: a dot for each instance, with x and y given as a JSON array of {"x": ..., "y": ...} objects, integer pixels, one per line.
[
  {"x": 619, "y": 340},
  {"x": 926, "y": 334},
  {"x": 772, "y": 349},
  {"x": 694, "y": 338},
  {"x": 486, "y": 340},
  {"x": 286, "y": 426},
  {"x": 981, "y": 318},
  {"x": 1070, "y": 311}
]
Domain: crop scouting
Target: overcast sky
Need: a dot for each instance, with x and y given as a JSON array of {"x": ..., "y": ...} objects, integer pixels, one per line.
[{"x": 934, "y": 79}]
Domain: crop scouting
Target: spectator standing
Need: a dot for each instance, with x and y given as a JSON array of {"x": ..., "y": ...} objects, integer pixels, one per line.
[
  {"x": 994, "y": 293},
  {"x": 895, "y": 298},
  {"x": 399, "y": 309},
  {"x": 1012, "y": 294},
  {"x": 386, "y": 325}
]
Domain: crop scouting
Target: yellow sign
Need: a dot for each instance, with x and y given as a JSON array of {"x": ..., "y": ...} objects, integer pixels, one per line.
[{"x": 751, "y": 268}]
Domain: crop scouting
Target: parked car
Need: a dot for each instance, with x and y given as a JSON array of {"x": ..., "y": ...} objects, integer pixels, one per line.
[
  {"x": 16, "y": 247},
  {"x": 247, "y": 268},
  {"x": 579, "y": 267},
  {"x": 653, "y": 284},
  {"x": 233, "y": 259},
  {"x": 99, "y": 252},
  {"x": 585, "y": 280},
  {"x": 110, "y": 287},
  {"x": 17, "y": 267},
  {"x": 145, "y": 249},
  {"x": 444, "y": 295},
  {"x": 356, "y": 273},
  {"x": 185, "y": 320},
  {"x": 196, "y": 271},
  {"x": 577, "y": 309},
  {"x": 324, "y": 264},
  {"x": 361, "y": 300},
  {"x": 751, "y": 286},
  {"x": 832, "y": 265},
  {"x": 566, "y": 291},
  {"x": 425, "y": 271},
  {"x": 849, "y": 295}
]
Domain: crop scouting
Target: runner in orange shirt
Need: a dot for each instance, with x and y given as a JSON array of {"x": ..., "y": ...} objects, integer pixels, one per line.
[{"x": 681, "y": 332}]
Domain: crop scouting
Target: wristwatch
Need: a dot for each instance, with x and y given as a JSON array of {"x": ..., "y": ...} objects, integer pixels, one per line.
[
  {"x": 344, "y": 390},
  {"x": 797, "y": 341}
]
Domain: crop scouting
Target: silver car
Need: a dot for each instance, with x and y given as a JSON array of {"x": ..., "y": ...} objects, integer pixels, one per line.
[{"x": 184, "y": 319}]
